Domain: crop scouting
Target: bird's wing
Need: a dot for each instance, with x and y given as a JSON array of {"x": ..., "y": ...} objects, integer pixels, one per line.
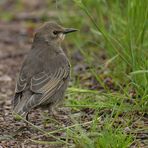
[
  {"x": 20, "y": 84},
  {"x": 48, "y": 84}
]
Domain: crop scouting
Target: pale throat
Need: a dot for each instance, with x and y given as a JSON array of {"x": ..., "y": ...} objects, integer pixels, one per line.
[{"x": 61, "y": 36}]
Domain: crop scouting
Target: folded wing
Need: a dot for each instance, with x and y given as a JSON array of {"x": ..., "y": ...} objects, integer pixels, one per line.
[{"x": 47, "y": 85}]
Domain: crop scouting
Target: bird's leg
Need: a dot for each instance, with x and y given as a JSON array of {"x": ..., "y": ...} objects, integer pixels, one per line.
[{"x": 27, "y": 118}]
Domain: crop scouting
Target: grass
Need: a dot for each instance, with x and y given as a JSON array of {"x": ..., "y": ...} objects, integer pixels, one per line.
[
  {"x": 125, "y": 36},
  {"x": 100, "y": 118},
  {"x": 119, "y": 28}
]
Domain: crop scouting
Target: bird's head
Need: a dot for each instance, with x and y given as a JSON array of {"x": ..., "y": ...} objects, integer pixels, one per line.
[{"x": 52, "y": 32}]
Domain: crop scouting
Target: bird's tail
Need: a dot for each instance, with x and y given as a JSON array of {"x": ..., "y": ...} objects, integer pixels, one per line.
[{"x": 19, "y": 105}]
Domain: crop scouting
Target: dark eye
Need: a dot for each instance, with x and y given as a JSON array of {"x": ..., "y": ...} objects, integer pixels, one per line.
[{"x": 55, "y": 32}]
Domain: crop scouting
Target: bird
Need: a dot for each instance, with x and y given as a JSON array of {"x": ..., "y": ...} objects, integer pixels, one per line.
[{"x": 45, "y": 72}]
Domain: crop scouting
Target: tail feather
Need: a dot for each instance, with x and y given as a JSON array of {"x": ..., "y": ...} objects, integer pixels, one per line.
[
  {"x": 19, "y": 104},
  {"x": 19, "y": 108},
  {"x": 23, "y": 103}
]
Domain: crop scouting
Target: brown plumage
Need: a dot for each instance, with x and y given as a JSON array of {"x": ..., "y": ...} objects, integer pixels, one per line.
[{"x": 45, "y": 72}]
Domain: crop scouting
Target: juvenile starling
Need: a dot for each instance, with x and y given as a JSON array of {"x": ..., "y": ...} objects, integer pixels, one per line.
[{"x": 45, "y": 72}]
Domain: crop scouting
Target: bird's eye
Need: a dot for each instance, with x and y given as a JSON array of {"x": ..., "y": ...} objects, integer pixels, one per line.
[{"x": 55, "y": 32}]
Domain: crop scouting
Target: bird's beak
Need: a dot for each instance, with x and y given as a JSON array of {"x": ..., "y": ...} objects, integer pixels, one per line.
[{"x": 69, "y": 30}]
